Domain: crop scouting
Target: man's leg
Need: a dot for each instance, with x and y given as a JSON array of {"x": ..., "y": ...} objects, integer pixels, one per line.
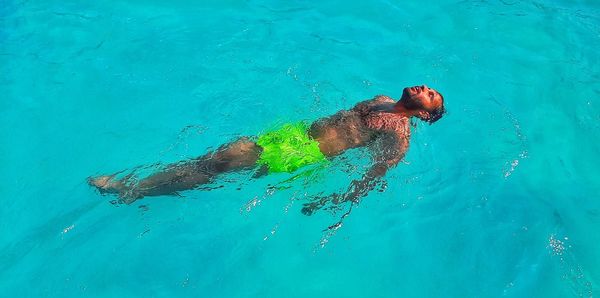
[{"x": 239, "y": 155}]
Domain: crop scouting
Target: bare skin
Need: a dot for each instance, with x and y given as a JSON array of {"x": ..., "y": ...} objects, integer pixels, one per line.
[{"x": 381, "y": 124}]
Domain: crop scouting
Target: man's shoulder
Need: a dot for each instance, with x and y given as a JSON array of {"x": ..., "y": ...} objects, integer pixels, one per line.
[
  {"x": 382, "y": 98},
  {"x": 377, "y": 99}
]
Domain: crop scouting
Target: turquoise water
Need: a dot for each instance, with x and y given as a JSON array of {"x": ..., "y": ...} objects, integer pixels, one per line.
[{"x": 499, "y": 198}]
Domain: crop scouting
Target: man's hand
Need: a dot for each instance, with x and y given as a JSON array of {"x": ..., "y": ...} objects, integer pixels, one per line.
[
  {"x": 320, "y": 202},
  {"x": 356, "y": 190},
  {"x": 391, "y": 150}
]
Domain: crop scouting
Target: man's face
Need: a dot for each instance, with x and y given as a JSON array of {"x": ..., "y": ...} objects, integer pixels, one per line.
[{"x": 421, "y": 97}]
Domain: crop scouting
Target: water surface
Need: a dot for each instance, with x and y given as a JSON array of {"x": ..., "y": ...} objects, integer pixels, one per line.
[{"x": 499, "y": 198}]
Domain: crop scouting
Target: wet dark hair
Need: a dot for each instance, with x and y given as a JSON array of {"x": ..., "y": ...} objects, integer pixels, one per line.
[{"x": 437, "y": 114}]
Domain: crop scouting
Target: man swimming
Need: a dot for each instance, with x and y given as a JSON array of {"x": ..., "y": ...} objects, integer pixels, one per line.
[{"x": 381, "y": 124}]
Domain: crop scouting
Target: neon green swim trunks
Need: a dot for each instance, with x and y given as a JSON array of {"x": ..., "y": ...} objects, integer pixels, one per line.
[{"x": 289, "y": 148}]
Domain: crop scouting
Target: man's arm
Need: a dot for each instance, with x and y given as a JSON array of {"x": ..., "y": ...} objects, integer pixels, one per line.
[{"x": 387, "y": 153}]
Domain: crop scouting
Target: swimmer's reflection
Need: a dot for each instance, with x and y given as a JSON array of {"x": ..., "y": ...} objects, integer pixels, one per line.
[{"x": 382, "y": 124}]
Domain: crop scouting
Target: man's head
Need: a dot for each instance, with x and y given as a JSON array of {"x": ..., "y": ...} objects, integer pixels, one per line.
[{"x": 422, "y": 102}]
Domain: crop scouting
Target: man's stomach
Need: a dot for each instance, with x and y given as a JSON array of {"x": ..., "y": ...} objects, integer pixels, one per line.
[{"x": 335, "y": 138}]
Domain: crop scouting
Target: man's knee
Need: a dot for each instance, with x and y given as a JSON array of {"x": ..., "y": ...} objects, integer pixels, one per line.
[
  {"x": 241, "y": 153},
  {"x": 245, "y": 144},
  {"x": 243, "y": 147}
]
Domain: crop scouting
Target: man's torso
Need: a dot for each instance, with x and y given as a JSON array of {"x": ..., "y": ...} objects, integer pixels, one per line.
[{"x": 359, "y": 126}]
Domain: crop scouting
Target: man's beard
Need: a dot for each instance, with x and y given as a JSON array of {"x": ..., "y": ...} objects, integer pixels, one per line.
[{"x": 410, "y": 103}]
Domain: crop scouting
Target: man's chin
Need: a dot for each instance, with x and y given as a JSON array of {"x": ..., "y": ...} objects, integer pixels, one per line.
[{"x": 405, "y": 93}]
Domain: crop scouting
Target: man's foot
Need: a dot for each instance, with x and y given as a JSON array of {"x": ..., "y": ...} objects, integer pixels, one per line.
[{"x": 107, "y": 184}]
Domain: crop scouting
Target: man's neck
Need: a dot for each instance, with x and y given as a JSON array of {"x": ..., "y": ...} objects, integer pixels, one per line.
[{"x": 401, "y": 110}]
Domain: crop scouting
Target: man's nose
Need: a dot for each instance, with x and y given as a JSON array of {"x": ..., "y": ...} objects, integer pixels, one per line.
[{"x": 424, "y": 87}]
